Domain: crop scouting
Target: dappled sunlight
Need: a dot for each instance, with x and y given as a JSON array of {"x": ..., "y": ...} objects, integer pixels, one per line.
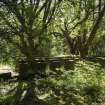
[
  {"x": 52, "y": 52},
  {"x": 5, "y": 67}
]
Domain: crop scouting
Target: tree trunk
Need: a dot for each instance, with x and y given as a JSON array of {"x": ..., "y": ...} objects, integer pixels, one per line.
[{"x": 84, "y": 51}]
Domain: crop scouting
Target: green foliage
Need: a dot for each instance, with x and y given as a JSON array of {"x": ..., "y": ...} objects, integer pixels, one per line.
[
  {"x": 85, "y": 85},
  {"x": 9, "y": 54},
  {"x": 98, "y": 48},
  {"x": 50, "y": 28}
]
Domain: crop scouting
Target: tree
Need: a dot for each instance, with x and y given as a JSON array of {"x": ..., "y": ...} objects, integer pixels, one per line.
[
  {"x": 26, "y": 23},
  {"x": 81, "y": 25}
]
